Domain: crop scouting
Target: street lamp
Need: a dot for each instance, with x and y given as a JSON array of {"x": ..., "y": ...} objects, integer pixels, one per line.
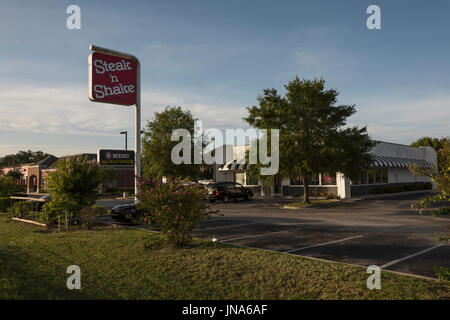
[
  {"x": 126, "y": 138},
  {"x": 214, "y": 150}
]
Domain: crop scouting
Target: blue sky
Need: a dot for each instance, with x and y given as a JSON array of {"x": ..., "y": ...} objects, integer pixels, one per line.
[{"x": 214, "y": 58}]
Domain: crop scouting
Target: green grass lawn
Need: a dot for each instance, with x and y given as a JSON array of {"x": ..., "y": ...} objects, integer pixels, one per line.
[{"x": 123, "y": 264}]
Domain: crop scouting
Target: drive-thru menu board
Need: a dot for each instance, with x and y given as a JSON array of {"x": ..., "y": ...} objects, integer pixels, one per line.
[{"x": 116, "y": 157}]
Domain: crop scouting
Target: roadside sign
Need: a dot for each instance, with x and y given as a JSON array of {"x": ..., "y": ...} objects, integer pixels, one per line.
[
  {"x": 115, "y": 77},
  {"x": 115, "y": 157},
  {"x": 112, "y": 79}
]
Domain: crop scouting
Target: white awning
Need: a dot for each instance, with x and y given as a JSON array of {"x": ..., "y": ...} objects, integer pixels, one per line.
[
  {"x": 394, "y": 162},
  {"x": 233, "y": 165},
  {"x": 378, "y": 161}
]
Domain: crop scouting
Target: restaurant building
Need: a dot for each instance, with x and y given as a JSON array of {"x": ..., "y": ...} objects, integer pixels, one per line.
[{"x": 388, "y": 172}]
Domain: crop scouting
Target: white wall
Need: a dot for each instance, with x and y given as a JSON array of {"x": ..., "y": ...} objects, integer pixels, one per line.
[
  {"x": 343, "y": 186},
  {"x": 402, "y": 175}
]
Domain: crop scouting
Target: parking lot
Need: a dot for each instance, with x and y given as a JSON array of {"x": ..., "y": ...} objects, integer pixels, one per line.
[{"x": 381, "y": 232}]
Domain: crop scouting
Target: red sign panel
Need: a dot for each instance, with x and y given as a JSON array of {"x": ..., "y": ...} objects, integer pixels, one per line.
[{"x": 112, "y": 79}]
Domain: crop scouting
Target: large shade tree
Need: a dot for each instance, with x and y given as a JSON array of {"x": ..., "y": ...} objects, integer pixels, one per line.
[
  {"x": 314, "y": 137},
  {"x": 157, "y": 145}
]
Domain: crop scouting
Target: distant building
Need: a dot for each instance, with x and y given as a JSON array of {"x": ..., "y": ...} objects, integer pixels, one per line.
[
  {"x": 31, "y": 173},
  {"x": 389, "y": 168},
  {"x": 35, "y": 174}
]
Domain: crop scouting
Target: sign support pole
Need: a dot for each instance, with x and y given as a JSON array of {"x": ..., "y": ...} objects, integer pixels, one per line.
[{"x": 137, "y": 118}]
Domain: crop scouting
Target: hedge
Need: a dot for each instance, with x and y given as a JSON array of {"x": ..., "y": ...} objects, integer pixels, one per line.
[{"x": 5, "y": 203}]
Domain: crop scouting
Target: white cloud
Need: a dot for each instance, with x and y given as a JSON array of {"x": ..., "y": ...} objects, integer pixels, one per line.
[
  {"x": 405, "y": 121},
  {"x": 67, "y": 111}
]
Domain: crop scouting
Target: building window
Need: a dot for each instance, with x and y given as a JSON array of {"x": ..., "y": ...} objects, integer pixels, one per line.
[
  {"x": 363, "y": 177},
  {"x": 328, "y": 179},
  {"x": 377, "y": 174},
  {"x": 296, "y": 181},
  {"x": 381, "y": 175},
  {"x": 314, "y": 180},
  {"x": 239, "y": 178},
  {"x": 251, "y": 180},
  {"x": 384, "y": 175},
  {"x": 370, "y": 176}
]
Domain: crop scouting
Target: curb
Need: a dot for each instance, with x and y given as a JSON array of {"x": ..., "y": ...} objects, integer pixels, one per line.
[{"x": 387, "y": 195}]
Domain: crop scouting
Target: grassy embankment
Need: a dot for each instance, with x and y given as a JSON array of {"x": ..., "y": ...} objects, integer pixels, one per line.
[{"x": 123, "y": 264}]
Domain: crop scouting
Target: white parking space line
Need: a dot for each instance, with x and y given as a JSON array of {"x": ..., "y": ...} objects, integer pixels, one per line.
[
  {"x": 323, "y": 244},
  {"x": 224, "y": 227},
  {"x": 260, "y": 235},
  {"x": 410, "y": 256}
]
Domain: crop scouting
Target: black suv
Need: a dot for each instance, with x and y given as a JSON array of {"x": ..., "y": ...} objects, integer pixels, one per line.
[
  {"x": 126, "y": 212},
  {"x": 227, "y": 190}
]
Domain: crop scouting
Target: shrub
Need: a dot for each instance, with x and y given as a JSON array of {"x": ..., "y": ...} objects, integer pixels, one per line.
[
  {"x": 428, "y": 186},
  {"x": 442, "y": 273},
  {"x": 87, "y": 216},
  {"x": 5, "y": 203},
  {"x": 331, "y": 195},
  {"x": 175, "y": 207},
  {"x": 297, "y": 194},
  {"x": 73, "y": 185},
  {"x": 20, "y": 209},
  {"x": 442, "y": 211},
  {"x": 99, "y": 210},
  {"x": 7, "y": 186}
]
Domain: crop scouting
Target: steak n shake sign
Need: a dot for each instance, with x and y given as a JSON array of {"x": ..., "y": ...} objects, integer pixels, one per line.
[
  {"x": 115, "y": 77},
  {"x": 112, "y": 79}
]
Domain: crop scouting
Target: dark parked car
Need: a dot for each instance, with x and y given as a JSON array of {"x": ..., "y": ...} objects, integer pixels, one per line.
[
  {"x": 226, "y": 191},
  {"x": 37, "y": 205},
  {"x": 126, "y": 212}
]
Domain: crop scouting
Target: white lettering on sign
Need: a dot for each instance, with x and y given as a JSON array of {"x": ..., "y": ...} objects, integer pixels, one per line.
[
  {"x": 121, "y": 156},
  {"x": 102, "y": 66},
  {"x": 103, "y": 91}
]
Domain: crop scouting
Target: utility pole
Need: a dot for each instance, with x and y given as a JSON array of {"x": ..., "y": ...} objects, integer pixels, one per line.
[
  {"x": 214, "y": 150},
  {"x": 126, "y": 138}
]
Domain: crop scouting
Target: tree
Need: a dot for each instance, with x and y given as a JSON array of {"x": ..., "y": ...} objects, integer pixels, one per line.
[
  {"x": 312, "y": 134},
  {"x": 15, "y": 175},
  {"x": 73, "y": 185},
  {"x": 157, "y": 144},
  {"x": 438, "y": 145},
  {"x": 7, "y": 186},
  {"x": 22, "y": 157},
  {"x": 442, "y": 180}
]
